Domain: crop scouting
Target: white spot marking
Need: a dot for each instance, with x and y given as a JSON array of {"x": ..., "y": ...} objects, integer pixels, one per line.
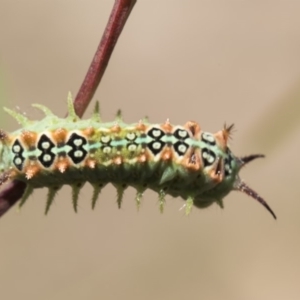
[
  {"x": 78, "y": 153},
  {"x": 105, "y": 139},
  {"x": 208, "y": 137},
  {"x": 106, "y": 150},
  {"x": 210, "y": 159},
  {"x": 47, "y": 157},
  {"x": 130, "y": 136},
  {"x": 16, "y": 148},
  {"x": 132, "y": 147},
  {"x": 182, "y": 133},
  {"x": 157, "y": 145},
  {"x": 78, "y": 142},
  {"x": 156, "y": 133},
  {"x": 18, "y": 161},
  {"x": 182, "y": 148},
  {"x": 228, "y": 168},
  {"x": 45, "y": 145}
]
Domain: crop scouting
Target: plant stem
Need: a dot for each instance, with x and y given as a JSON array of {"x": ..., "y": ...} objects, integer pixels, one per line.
[{"x": 114, "y": 27}]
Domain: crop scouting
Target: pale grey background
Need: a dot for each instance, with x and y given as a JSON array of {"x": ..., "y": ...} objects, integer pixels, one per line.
[{"x": 209, "y": 61}]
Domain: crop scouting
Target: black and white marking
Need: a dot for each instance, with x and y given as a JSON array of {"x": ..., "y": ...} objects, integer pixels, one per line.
[
  {"x": 157, "y": 145},
  {"x": 132, "y": 147},
  {"x": 45, "y": 145},
  {"x": 131, "y": 137},
  {"x": 77, "y": 153},
  {"x": 105, "y": 139},
  {"x": 18, "y": 159},
  {"x": 155, "y": 133},
  {"x": 181, "y": 134},
  {"x": 208, "y": 138},
  {"x": 180, "y": 148},
  {"x": 208, "y": 157},
  {"x": 227, "y": 163}
]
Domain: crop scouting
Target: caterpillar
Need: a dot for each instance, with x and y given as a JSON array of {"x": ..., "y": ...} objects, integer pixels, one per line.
[{"x": 181, "y": 161}]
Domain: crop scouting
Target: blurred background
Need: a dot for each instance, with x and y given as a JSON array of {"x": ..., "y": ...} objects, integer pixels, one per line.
[{"x": 208, "y": 61}]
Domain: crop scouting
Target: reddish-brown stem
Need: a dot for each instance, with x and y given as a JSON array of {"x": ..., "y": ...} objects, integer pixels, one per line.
[
  {"x": 118, "y": 17},
  {"x": 10, "y": 195},
  {"x": 114, "y": 27}
]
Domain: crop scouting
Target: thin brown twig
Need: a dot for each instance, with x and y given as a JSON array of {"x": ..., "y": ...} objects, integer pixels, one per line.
[
  {"x": 118, "y": 17},
  {"x": 114, "y": 27}
]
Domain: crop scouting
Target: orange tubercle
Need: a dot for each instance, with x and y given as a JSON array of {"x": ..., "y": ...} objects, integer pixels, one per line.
[
  {"x": 3, "y": 135},
  {"x": 29, "y": 138},
  {"x": 115, "y": 129},
  {"x": 91, "y": 163},
  {"x": 167, "y": 154},
  {"x": 141, "y": 126},
  {"x": 62, "y": 165},
  {"x": 194, "y": 128},
  {"x": 59, "y": 135},
  {"x": 142, "y": 158},
  {"x": 89, "y": 132},
  {"x": 192, "y": 160},
  {"x": 118, "y": 160},
  {"x": 167, "y": 127},
  {"x": 31, "y": 171},
  {"x": 216, "y": 173}
]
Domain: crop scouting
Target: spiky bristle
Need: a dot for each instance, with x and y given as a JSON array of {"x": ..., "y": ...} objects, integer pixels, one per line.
[
  {"x": 248, "y": 191},
  {"x": 228, "y": 130},
  {"x": 189, "y": 205},
  {"x": 44, "y": 109},
  {"x": 161, "y": 200},
  {"x": 246, "y": 159}
]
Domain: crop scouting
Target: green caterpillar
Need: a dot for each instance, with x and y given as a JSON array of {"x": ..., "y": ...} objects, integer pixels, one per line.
[{"x": 181, "y": 161}]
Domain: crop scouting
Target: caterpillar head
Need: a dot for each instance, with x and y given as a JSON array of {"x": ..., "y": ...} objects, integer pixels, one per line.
[
  {"x": 223, "y": 168},
  {"x": 239, "y": 163},
  {"x": 228, "y": 170}
]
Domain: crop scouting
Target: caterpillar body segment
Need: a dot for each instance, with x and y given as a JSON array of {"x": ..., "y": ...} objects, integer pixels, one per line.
[{"x": 178, "y": 160}]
